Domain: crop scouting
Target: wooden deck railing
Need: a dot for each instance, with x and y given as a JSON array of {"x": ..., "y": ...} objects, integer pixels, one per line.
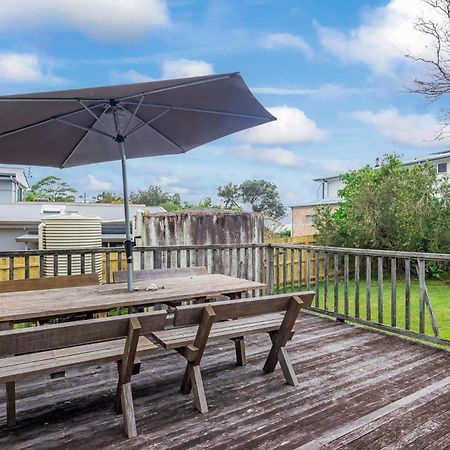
[{"x": 381, "y": 289}]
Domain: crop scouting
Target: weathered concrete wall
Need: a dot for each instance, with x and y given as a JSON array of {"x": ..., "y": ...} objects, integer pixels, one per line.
[{"x": 199, "y": 227}]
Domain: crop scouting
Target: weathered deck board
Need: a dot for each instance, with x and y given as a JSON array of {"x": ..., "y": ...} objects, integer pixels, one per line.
[{"x": 358, "y": 389}]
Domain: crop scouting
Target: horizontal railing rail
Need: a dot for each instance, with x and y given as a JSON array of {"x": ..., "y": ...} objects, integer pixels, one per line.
[{"x": 387, "y": 290}]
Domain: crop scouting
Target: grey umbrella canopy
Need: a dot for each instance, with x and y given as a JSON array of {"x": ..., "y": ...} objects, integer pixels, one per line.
[{"x": 85, "y": 126}]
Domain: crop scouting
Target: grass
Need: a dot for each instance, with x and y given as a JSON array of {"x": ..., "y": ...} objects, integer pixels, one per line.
[{"x": 438, "y": 291}]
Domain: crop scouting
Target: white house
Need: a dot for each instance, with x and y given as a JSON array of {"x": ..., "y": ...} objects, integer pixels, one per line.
[
  {"x": 13, "y": 184},
  {"x": 328, "y": 192}
]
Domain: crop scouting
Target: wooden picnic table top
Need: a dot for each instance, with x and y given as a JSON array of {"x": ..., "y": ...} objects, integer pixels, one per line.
[{"x": 28, "y": 305}]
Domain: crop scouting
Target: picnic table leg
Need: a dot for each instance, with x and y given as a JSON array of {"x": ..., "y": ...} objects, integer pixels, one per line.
[
  {"x": 279, "y": 339},
  {"x": 124, "y": 401},
  {"x": 239, "y": 344},
  {"x": 285, "y": 363},
  {"x": 192, "y": 375},
  {"x": 129, "y": 421},
  {"x": 199, "y": 391},
  {"x": 10, "y": 403}
]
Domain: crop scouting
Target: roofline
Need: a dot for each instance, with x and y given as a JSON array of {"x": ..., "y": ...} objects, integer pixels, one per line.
[
  {"x": 333, "y": 201},
  {"x": 420, "y": 159},
  {"x": 14, "y": 175}
]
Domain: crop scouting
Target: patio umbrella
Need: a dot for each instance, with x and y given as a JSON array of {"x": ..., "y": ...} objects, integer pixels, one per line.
[{"x": 84, "y": 126}]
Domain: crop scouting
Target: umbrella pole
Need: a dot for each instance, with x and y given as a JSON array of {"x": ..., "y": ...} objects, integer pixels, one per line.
[{"x": 128, "y": 241}]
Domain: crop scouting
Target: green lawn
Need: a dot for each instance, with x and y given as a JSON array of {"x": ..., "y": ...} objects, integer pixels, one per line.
[{"x": 438, "y": 291}]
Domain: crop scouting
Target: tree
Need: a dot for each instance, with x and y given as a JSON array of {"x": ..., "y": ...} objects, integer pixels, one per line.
[
  {"x": 435, "y": 83},
  {"x": 108, "y": 197},
  {"x": 53, "y": 189},
  {"x": 155, "y": 196},
  {"x": 392, "y": 207},
  {"x": 261, "y": 195},
  {"x": 230, "y": 194}
]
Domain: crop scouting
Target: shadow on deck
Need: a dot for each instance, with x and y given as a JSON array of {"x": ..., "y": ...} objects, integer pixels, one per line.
[{"x": 358, "y": 389}]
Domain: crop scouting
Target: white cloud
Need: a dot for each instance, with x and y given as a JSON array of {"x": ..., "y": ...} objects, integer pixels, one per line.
[
  {"x": 102, "y": 19},
  {"x": 291, "y": 127},
  {"x": 98, "y": 185},
  {"x": 286, "y": 40},
  {"x": 172, "y": 184},
  {"x": 24, "y": 68},
  {"x": 15, "y": 67},
  {"x": 384, "y": 36},
  {"x": 418, "y": 130},
  {"x": 325, "y": 91},
  {"x": 276, "y": 155},
  {"x": 184, "y": 68},
  {"x": 130, "y": 76}
]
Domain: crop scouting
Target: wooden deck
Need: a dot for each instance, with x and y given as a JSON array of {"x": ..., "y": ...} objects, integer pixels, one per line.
[{"x": 358, "y": 389}]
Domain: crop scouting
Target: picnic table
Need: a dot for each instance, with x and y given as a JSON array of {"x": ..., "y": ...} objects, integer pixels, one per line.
[{"x": 39, "y": 304}]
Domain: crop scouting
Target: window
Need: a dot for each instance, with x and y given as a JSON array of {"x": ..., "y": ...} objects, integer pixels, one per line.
[
  {"x": 442, "y": 168},
  {"x": 309, "y": 219}
]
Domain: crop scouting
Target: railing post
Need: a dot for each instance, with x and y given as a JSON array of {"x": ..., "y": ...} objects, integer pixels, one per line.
[
  {"x": 407, "y": 294},
  {"x": 421, "y": 270},
  {"x": 270, "y": 269}
]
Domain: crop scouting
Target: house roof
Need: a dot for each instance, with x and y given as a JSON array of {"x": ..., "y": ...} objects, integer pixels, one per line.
[
  {"x": 33, "y": 212},
  {"x": 328, "y": 201},
  {"x": 420, "y": 159},
  {"x": 16, "y": 173}
]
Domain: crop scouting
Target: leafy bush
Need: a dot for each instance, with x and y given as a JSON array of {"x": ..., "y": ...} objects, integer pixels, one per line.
[{"x": 392, "y": 207}]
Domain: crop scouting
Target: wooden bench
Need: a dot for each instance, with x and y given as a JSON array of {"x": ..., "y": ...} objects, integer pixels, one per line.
[
  {"x": 195, "y": 325},
  {"x": 35, "y": 284},
  {"x": 52, "y": 349},
  {"x": 158, "y": 274}
]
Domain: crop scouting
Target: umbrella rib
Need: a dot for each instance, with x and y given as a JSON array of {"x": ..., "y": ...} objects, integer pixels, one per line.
[
  {"x": 178, "y": 86},
  {"x": 81, "y": 127},
  {"x": 207, "y": 111},
  {"x": 94, "y": 116},
  {"x": 138, "y": 127},
  {"x": 134, "y": 113},
  {"x": 158, "y": 132},
  {"x": 63, "y": 165},
  {"x": 42, "y": 122}
]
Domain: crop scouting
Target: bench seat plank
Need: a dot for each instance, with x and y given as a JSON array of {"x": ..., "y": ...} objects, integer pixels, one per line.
[
  {"x": 19, "y": 367},
  {"x": 183, "y": 336}
]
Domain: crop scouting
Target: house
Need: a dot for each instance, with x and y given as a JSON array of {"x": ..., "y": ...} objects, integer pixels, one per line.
[
  {"x": 19, "y": 220},
  {"x": 329, "y": 187},
  {"x": 13, "y": 184}
]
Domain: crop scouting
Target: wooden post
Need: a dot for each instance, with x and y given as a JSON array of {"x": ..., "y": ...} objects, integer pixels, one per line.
[
  {"x": 357, "y": 275},
  {"x": 346, "y": 283},
  {"x": 308, "y": 270},
  {"x": 393, "y": 292},
  {"x": 407, "y": 294},
  {"x": 292, "y": 269},
  {"x": 421, "y": 270},
  {"x": 368, "y": 286},
  {"x": 300, "y": 269},
  {"x": 380, "y": 289},
  {"x": 325, "y": 289},
  {"x": 316, "y": 277},
  {"x": 270, "y": 269},
  {"x": 336, "y": 283}
]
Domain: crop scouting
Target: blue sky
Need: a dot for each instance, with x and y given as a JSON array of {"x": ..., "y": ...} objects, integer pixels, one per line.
[{"x": 333, "y": 72}]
